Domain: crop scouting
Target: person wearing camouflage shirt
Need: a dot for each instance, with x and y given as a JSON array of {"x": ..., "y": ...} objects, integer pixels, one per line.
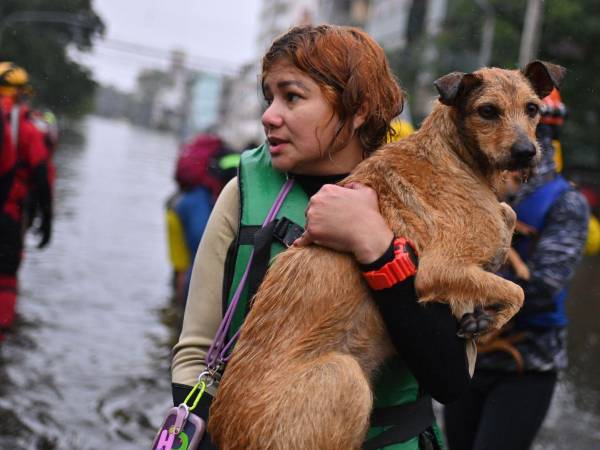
[{"x": 514, "y": 382}]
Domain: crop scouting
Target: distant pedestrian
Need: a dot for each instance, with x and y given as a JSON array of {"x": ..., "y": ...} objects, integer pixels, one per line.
[
  {"x": 203, "y": 168},
  {"x": 8, "y": 160},
  {"x": 31, "y": 182}
]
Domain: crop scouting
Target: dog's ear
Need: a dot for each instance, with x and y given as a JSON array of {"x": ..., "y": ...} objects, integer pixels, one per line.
[
  {"x": 454, "y": 86},
  {"x": 544, "y": 76}
]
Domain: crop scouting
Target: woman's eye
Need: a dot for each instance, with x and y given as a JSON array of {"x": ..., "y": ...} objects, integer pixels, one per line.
[
  {"x": 268, "y": 101},
  {"x": 292, "y": 97},
  {"x": 488, "y": 112},
  {"x": 532, "y": 109}
]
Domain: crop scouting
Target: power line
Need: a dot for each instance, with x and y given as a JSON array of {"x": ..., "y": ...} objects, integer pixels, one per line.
[
  {"x": 79, "y": 21},
  {"x": 202, "y": 63}
]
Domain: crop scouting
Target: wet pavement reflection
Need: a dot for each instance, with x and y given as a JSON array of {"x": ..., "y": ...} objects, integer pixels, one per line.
[
  {"x": 86, "y": 366},
  {"x": 574, "y": 418}
]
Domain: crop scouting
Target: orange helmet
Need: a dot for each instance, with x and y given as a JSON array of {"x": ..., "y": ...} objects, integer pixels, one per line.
[
  {"x": 553, "y": 110},
  {"x": 13, "y": 79}
]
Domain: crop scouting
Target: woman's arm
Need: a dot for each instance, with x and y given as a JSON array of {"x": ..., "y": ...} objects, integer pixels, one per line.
[
  {"x": 203, "y": 308},
  {"x": 424, "y": 335}
]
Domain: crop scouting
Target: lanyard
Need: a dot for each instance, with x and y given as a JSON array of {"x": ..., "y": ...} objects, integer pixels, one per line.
[{"x": 217, "y": 353}]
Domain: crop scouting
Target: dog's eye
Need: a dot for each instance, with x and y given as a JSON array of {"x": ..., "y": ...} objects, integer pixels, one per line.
[
  {"x": 488, "y": 112},
  {"x": 532, "y": 109}
]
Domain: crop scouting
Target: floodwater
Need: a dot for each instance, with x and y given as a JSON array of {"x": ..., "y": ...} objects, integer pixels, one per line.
[
  {"x": 86, "y": 366},
  {"x": 574, "y": 418}
]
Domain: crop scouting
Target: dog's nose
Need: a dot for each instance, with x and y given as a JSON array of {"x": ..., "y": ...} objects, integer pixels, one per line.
[{"x": 523, "y": 150}]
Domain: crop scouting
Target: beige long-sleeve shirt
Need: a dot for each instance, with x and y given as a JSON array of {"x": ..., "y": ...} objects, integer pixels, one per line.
[{"x": 203, "y": 311}]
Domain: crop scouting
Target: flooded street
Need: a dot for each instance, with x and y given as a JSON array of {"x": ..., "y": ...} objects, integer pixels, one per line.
[
  {"x": 86, "y": 367},
  {"x": 574, "y": 418}
]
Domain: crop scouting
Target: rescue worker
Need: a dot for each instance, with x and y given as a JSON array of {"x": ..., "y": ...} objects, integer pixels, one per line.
[
  {"x": 31, "y": 181},
  {"x": 553, "y": 114},
  {"x": 516, "y": 373},
  {"x": 8, "y": 160}
]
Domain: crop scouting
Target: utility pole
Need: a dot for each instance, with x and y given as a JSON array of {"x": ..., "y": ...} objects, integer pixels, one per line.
[
  {"x": 436, "y": 12},
  {"x": 487, "y": 35},
  {"x": 531, "y": 32}
]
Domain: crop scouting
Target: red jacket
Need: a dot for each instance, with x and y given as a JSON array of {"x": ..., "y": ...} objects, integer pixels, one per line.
[
  {"x": 32, "y": 165},
  {"x": 8, "y": 160}
]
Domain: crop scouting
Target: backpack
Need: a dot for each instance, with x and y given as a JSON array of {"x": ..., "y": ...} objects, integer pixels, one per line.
[{"x": 205, "y": 161}]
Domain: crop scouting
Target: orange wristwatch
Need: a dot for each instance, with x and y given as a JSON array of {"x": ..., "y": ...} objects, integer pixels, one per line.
[{"x": 400, "y": 268}]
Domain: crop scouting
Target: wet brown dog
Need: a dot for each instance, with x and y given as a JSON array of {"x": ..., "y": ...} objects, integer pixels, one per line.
[{"x": 299, "y": 377}]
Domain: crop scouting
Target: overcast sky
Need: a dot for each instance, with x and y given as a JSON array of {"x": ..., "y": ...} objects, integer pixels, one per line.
[{"x": 214, "y": 33}]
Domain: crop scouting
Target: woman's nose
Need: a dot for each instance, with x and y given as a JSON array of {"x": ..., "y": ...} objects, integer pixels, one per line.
[{"x": 272, "y": 118}]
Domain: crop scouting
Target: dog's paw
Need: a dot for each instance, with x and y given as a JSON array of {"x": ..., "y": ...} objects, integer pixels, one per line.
[{"x": 474, "y": 324}]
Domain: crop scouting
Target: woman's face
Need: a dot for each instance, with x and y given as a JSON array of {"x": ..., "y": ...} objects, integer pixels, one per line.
[{"x": 300, "y": 125}]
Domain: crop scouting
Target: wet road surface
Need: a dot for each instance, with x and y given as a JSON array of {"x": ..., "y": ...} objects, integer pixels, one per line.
[{"x": 87, "y": 364}]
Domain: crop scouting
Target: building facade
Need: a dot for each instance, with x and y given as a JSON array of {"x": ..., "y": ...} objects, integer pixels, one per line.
[
  {"x": 242, "y": 100},
  {"x": 387, "y": 22}
]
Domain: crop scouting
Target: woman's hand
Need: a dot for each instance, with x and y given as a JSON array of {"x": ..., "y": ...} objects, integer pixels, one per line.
[{"x": 347, "y": 219}]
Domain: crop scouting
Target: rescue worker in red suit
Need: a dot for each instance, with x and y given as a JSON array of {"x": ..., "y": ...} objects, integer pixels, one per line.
[
  {"x": 30, "y": 183},
  {"x": 8, "y": 161}
]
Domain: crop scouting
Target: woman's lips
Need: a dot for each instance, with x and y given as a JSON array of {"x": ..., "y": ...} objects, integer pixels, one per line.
[{"x": 276, "y": 146}]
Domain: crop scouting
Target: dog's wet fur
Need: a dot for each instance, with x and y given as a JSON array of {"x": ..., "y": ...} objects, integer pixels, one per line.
[{"x": 300, "y": 375}]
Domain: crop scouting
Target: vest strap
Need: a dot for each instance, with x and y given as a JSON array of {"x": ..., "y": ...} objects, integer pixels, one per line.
[
  {"x": 286, "y": 231},
  {"x": 260, "y": 263},
  {"x": 405, "y": 421},
  {"x": 282, "y": 230},
  {"x": 246, "y": 234},
  {"x": 217, "y": 353}
]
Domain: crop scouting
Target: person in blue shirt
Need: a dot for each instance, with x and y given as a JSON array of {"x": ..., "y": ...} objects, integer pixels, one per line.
[{"x": 203, "y": 167}]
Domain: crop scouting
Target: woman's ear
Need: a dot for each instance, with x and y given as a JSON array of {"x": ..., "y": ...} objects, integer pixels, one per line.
[{"x": 359, "y": 117}]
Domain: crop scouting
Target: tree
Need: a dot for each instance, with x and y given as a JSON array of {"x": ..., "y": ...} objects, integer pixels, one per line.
[
  {"x": 570, "y": 35},
  {"x": 40, "y": 45}
]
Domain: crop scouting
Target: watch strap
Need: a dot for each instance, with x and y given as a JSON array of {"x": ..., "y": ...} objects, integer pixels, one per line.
[{"x": 403, "y": 265}]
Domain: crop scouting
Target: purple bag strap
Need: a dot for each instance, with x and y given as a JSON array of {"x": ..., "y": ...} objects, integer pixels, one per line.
[{"x": 217, "y": 352}]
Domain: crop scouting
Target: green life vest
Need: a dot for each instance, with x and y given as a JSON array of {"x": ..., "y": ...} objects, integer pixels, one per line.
[{"x": 259, "y": 186}]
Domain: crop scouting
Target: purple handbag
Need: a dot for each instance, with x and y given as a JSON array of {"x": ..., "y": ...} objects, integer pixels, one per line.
[{"x": 181, "y": 430}]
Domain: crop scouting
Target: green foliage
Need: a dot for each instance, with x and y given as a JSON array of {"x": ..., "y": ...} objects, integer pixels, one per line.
[
  {"x": 41, "y": 48},
  {"x": 569, "y": 36}
]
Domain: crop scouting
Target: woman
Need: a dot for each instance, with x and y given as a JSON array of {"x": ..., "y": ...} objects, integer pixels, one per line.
[{"x": 331, "y": 98}]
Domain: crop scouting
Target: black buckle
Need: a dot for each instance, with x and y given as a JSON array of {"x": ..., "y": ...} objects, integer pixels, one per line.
[{"x": 286, "y": 231}]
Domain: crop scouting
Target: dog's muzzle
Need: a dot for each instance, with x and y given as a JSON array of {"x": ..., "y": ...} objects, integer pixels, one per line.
[{"x": 522, "y": 154}]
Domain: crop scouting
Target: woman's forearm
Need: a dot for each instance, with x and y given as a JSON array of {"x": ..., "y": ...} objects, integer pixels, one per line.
[{"x": 424, "y": 335}]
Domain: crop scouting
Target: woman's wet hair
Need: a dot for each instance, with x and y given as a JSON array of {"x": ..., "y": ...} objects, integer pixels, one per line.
[{"x": 352, "y": 71}]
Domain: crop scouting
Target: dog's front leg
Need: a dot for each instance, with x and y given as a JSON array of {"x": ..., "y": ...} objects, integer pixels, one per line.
[{"x": 465, "y": 286}]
